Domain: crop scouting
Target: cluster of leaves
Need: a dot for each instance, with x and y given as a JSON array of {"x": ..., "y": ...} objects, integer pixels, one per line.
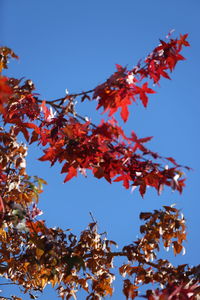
[
  {"x": 42, "y": 255},
  {"x": 15, "y": 185},
  {"x": 33, "y": 255},
  {"x": 79, "y": 145},
  {"x": 124, "y": 86}
]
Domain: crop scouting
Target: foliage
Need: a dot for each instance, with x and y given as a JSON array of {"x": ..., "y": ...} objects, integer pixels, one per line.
[{"x": 31, "y": 254}]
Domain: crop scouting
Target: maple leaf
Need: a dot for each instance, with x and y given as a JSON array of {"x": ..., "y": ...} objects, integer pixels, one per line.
[
  {"x": 125, "y": 178},
  {"x": 35, "y": 227},
  {"x": 142, "y": 188},
  {"x": 71, "y": 173},
  {"x": 46, "y": 111},
  {"x": 124, "y": 112},
  {"x": 143, "y": 91},
  {"x": 182, "y": 41}
]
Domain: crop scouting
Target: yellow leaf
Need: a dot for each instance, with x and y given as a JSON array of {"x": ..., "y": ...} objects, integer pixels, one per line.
[
  {"x": 3, "y": 233},
  {"x": 1, "y": 66},
  {"x": 39, "y": 253},
  {"x": 54, "y": 280},
  {"x": 43, "y": 282}
]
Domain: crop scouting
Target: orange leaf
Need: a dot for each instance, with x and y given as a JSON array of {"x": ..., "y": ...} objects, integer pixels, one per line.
[{"x": 177, "y": 247}]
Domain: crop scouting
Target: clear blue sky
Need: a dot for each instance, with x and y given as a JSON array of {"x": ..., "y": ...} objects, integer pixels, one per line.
[{"x": 75, "y": 45}]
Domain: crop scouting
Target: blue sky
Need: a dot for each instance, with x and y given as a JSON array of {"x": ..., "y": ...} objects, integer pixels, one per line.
[{"x": 75, "y": 45}]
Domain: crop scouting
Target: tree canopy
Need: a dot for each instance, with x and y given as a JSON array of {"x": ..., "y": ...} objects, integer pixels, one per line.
[{"x": 32, "y": 254}]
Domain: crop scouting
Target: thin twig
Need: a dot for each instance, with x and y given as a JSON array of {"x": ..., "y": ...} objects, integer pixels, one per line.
[
  {"x": 93, "y": 219},
  {"x": 67, "y": 97}
]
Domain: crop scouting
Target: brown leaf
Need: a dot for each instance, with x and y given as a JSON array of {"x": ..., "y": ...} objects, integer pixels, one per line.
[
  {"x": 129, "y": 290},
  {"x": 145, "y": 215},
  {"x": 177, "y": 247}
]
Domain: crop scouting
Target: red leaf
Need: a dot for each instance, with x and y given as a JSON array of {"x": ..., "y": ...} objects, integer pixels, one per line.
[
  {"x": 119, "y": 178},
  {"x": 182, "y": 40},
  {"x": 172, "y": 160},
  {"x": 144, "y": 98},
  {"x": 34, "y": 137},
  {"x": 124, "y": 113},
  {"x": 5, "y": 92},
  {"x": 142, "y": 189},
  {"x": 71, "y": 173},
  {"x": 133, "y": 136},
  {"x": 23, "y": 130},
  {"x": 125, "y": 179},
  {"x": 142, "y": 91},
  {"x": 144, "y": 140},
  {"x": 98, "y": 172},
  {"x": 45, "y": 110},
  {"x": 32, "y": 126},
  {"x": 164, "y": 74},
  {"x": 49, "y": 155},
  {"x": 119, "y": 67},
  {"x": 147, "y": 89}
]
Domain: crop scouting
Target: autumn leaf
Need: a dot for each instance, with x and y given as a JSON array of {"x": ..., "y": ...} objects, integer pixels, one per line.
[
  {"x": 39, "y": 253},
  {"x": 98, "y": 172},
  {"x": 71, "y": 173},
  {"x": 36, "y": 227},
  {"x": 145, "y": 216},
  {"x": 182, "y": 41},
  {"x": 177, "y": 247},
  {"x": 124, "y": 113},
  {"x": 2, "y": 208},
  {"x": 130, "y": 290}
]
